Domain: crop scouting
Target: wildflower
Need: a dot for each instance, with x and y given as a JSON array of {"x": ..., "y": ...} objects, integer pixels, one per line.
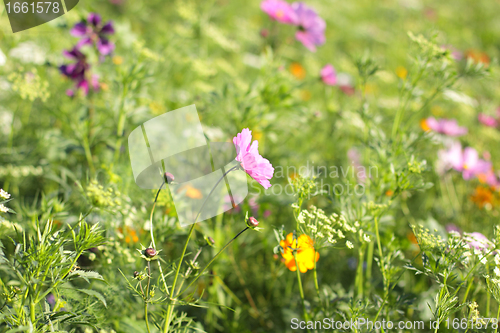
[
  {"x": 349, "y": 245},
  {"x": 466, "y": 161},
  {"x": 401, "y": 72},
  {"x": 297, "y": 70},
  {"x": 448, "y": 127},
  {"x": 345, "y": 83},
  {"x": 306, "y": 255},
  {"x": 252, "y": 222},
  {"x": 191, "y": 192},
  {"x": 477, "y": 56},
  {"x": 93, "y": 32},
  {"x": 77, "y": 71},
  {"x": 478, "y": 241},
  {"x": 169, "y": 177},
  {"x": 482, "y": 196},
  {"x": 251, "y": 161},
  {"x": 150, "y": 252},
  {"x": 311, "y": 31},
  {"x": 3, "y": 209},
  {"x": 497, "y": 271},
  {"x": 4, "y": 194},
  {"x": 279, "y": 10},
  {"x": 450, "y": 227},
  {"x": 487, "y": 120},
  {"x": 328, "y": 75}
]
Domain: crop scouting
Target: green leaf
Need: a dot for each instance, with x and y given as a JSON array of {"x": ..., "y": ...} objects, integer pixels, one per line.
[
  {"x": 86, "y": 275},
  {"x": 94, "y": 293}
]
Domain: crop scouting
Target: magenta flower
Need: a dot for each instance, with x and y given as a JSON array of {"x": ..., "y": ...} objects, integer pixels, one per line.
[
  {"x": 328, "y": 75},
  {"x": 489, "y": 121},
  {"x": 78, "y": 72},
  {"x": 311, "y": 27},
  {"x": 279, "y": 10},
  {"x": 93, "y": 31},
  {"x": 248, "y": 155},
  {"x": 448, "y": 127},
  {"x": 478, "y": 241}
]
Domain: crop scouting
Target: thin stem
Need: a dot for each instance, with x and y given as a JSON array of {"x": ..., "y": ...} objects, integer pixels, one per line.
[
  {"x": 212, "y": 260},
  {"x": 146, "y": 302},
  {"x": 316, "y": 285},
  {"x": 301, "y": 291},
  {"x": 359, "y": 272},
  {"x": 170, "y": 307}
]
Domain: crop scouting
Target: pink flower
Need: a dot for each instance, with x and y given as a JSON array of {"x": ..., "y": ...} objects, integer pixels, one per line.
[
  {"x": 279, "y": 10},
  {"x": 466, "y": 161},
  {"x": 328, "y": 75},
  {"x": 248, "y": 155},
  {"x": 478, "y": 241},
  {"x": 472, "y": 165},
  {"x": 445, "y": 126},
  {"x": 452, "y": 157},
  {"x": 311, "y": 27},
  {"x": 488, "y": 120}
]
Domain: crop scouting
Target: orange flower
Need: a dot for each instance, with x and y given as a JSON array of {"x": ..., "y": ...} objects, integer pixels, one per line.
[
  {"x": 306, "y": 254},
  {"x": 191, "y": 192},
  {"x": 478, "y": 56},
  {"x": 130, "y": 235},
  {"x": 297, "y": 70},
  {"x": 424, "y": 125},
  {"x": 482, "y": 196}
]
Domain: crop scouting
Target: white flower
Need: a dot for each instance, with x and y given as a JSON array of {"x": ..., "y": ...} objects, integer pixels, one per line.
[
  {"x": 3, "y": 194},
  {"x": 28, "y": 52},
  {"x": 497, "y": 271},
  {"x": 3, "y": 209},
  {"x": 3, "y": 58},
  {"x": 349, "y": 245},
  {"x": 366, "y": 238}
]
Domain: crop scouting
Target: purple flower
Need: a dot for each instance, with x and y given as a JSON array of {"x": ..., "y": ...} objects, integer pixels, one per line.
[
  {"x": 478, "y": 241},
  {"x": 311, "y": 27},
  {"x": 448, "y": 127},
  {"x": 450, "y": 227},
  {"x": 328, "y": 75},
  {"x": 279, "y": 10},
  {"x": 78, "y": 72},
  {"x": 93, "y": 31},
  {"x": 248, "y": 155}
]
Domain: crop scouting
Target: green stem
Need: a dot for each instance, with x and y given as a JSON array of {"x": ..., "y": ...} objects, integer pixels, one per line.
[
  {"x": 146, "y": 302},
  {"x": 211, "y": 261},
  {"x": 316, "y": 285},
  {"x": 359, "y": 272},
  {"x": 301, "y": 291},
  {"x": 170, "y": 307}
]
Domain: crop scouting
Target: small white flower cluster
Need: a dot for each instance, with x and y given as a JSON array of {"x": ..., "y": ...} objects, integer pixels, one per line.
[
  {"x": 4, "y": 195},
  {"x": 322, "y": 228},
  {"x": 20, "y": 171}
]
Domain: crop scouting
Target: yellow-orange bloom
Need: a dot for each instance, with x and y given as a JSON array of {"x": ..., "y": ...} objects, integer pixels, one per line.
[
  {"x": 306, "y": 254},
  {"x": 482, "y": 196},
  {"x": 297, "y": 70},
  {"x": 424, "y": 125}
]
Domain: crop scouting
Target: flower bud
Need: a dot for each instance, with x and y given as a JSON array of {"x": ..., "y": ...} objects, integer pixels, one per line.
[
  {"x": 252, "y": 222},
  {"x": 136, "y": 274},
  {"x": 169, "y": 177},
  {"x": 150, "y": 252}
]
